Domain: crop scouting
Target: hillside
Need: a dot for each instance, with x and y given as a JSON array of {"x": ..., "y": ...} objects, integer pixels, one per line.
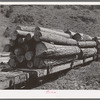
[{"x": 82, "y": 19}]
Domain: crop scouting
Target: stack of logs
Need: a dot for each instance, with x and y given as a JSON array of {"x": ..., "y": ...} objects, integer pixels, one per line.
[
  {"x": 97, "y": 39},
  {"x": 38, "y": 47}
]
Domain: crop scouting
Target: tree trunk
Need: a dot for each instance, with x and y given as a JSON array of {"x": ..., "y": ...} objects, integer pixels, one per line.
[
  {"x": 4, "y": 60},
  {"x": 45, "y": 63},
  {"x": 18, "y": 52},
  {"x": 81, "y": 36},
  {"x": 26, "y": 28},
  {"x": 55, "y": 38},
  {"x": 12, "y": 43},
  {"x": 23, "y": 33},
  {"x": 12, "y": 62},
  {"x": 30, "y": 64},
  {"x": 20, "y": 59},
  {"x": 87, "y": 60},
  {"x": 87, "y": 44},
  {"x": 25, "y": 47},
  {"x": 51, "y": 31},
  {"x": 7, "y": 48},
  {"x": 4, "y": 54},
  {"x": 44, "y": 49},
  {"x": 29, "y": 55},
  {"x": 71, "y": 33},
  {"x": 20, "y": 40},
  {"x": 88, "y": 52}
]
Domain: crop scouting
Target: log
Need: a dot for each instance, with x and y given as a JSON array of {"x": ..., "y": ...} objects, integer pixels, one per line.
[
  {"x": 87, "y": 60},
  {"x": 71, "y": 33},
  {"x": 19, "y": 33},
  {"x": 98, "y": 43},
  {"x": 86, "y": 44},
  {"x": 59, "y": 68},
  {"x": 26, "y": 28},
  {"x": 31, "y": 28},
  {"x": 88, "y": 52},
  {"x": 23, "y": 33},
  {"x": 30, "y": 64},
  {"x": 83, "y": 37},
  {"x": 28, "y": 37},
  {"x": 7, "y": 48},
  {"x": 45, "y": 63},
  {"x": 98, "y": 50},
  {"x": 21, "y": 58},
  {"x": 4, "y": 54},
  {"x": 4, "y": 59},
  {"x": 20, "y": 40},
  {"x": 25, "y": 47},
  {"x": 18, "y": 51},
  {"x": 77, "y": 63},
  {"x": 55, "y": 38},
  {"x": 96, "y": 38},
  {"x": 44, "y": 49},
  {"x": 51, "y": 31},
  {"x": 12, "y": 55},
  {"x": 29, "y": 55},
  {"x": 13, "y": 62},
  {"x": 12, "y": 42}
]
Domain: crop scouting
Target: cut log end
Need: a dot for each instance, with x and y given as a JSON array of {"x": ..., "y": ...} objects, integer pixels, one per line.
[
  {"x": 29, "y": 55},
  {"x": 30, "y": 64},
  {"x": 12, "y": 62},
  {"x": 7, "y": 48}
]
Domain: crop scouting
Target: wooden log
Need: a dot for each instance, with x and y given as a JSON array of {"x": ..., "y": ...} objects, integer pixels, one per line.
[
  {"x": 21, "y": 58},
  {"x": 30, "y": 64},
  {"x": 7, "y": 48},
  {"x": 20, "y": 40},
  {"x": 87, "y": 60},
  {"x": 98, "y": 43},
  {"x": 87, "y": 44},
  {"x": 31, "y": 28},
  {"x": 71, "y": 33},
  {"x": 4, "y": 59},
  {"x": 26, "y": 28},
  {"x": 19, "y": 33},
  {"x": 29, "y": 55},
  {"x": 12, "y": 42},
  {"x": 45, "y": 63},
  {"x": 96, "y": 38},
  {"x": 56, "y": 39},
  {"x": 12, "y": 55},
  {"x": 83, "y": 37},
  {"x": 44, "y": 49},
  {"x": 26, "y": 47},
  {"x": 4, "y": 54},
  {"x": 13, "y": 62},
  {"x": 77, "y": 63},
  {"x": 98, "y": 50},
  {"x": 23, "y": 33},
  {"x": 88, "y": 52},
  {"x": 59, "y": 68},
  {"x": 18, "y": 51},
  {"x": 51, "y": 31},
  {"x": 28, "y": 37}
]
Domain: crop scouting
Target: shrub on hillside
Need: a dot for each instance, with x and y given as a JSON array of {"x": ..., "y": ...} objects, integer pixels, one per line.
[{"x": 20, "y": 19}]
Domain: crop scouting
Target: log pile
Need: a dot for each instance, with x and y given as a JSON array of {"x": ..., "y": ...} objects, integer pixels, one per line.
[
  {"x": 21, "y": 48},
  {"x": 97, "y": 39},
  {"x": 43, "y": 48}
]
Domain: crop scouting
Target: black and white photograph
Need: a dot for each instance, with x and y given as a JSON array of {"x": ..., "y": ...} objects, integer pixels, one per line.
[{"x": 49, "y": 47}]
